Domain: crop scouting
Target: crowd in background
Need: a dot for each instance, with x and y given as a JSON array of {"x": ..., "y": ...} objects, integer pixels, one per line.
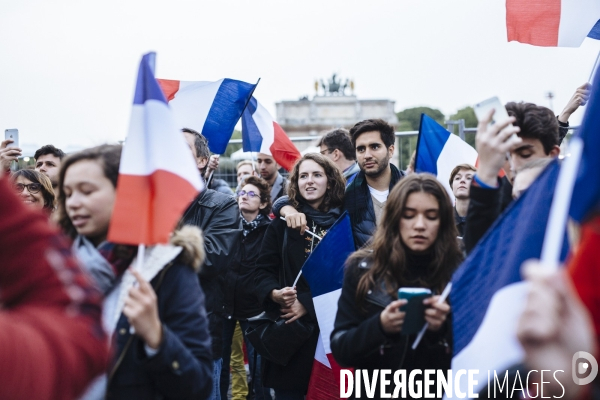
[{"x": 176, "y": 327}]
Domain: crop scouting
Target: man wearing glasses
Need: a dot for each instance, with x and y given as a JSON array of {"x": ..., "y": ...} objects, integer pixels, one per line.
[{"x": 336, "y": 145}]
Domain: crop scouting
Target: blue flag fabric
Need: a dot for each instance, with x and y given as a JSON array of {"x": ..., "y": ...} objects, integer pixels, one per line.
[
  {"x": 595, "y": 32},
  {"x": 495, "y": 263},
  {"x": 586, "y": 193},
  {"x": 324, "y": 268}
]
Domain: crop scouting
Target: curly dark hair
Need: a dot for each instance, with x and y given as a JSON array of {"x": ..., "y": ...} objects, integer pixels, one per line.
[
  {"x": 388, "y": 252},
  {"x": 109, "y": 158},
  {"x": 49, "y": 149},
  {"x": 386, "y": 131},
  {"x": 334, "y": 195},
  {"x": 37, "y": 177},
  {"x": 265, "y": 192},
  {"x": 536, "y": 122}
]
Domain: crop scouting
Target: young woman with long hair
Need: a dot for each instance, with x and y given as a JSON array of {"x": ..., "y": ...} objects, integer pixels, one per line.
[
  {"x": 414, "y": 246},
  {"x": 155, "y": 313},
  {"x": 316, "y": 188}
]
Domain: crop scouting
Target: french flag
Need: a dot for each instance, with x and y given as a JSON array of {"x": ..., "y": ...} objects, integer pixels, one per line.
[
  {"x": 488, "y": 292},
  {"x": 552, "y": 23},
  {"x": 439, "y": 151},
  {"x": 158, "y": 177},
  {"x": 261, "y": 134},
  {"x": 324, "y": 272},
  {"x": 211, "y": 108}
]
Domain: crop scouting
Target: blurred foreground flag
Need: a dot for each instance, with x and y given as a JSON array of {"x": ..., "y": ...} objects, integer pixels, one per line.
[
  {"x": 562, "y": 23},
  {"x": 439, "y": 151},
  {"x": 324, "y": 272},
  {"x": 158, "y": 177},
  {"x": 211, "y": 108},
  {"x": 586, "y": 192},
  {"x": 261, "y": 134},
  {"x": 488, "y": 293}
]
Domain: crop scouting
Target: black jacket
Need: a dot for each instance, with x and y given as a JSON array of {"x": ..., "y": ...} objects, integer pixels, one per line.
[
  {"x": 218, "y": 216},
  {"x": 219, "y": 185},
  {"x": 271, "y": 264},
  {"x": 240, "y": 298},
  {"x": 182, "y": 368},
  {"x": 485, "y": 206},
  {"x": 358, "y": 341},
  {"x": 358, "y": 203}
]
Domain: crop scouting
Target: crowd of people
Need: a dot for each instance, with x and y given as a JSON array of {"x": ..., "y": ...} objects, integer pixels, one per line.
[{"x": 175, "y": 326}]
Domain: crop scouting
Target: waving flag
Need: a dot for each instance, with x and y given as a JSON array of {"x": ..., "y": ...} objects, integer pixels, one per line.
[
  {"x": 324, "y": 272},
  {"x": 261, "y": 134},
  {"x": 211, "y": 108},
  {"x": 563, "y": 23},
  {"x": 586, "y": 193},
  {"x": 439, "y": 151},
  {"x": 158, "y": 177},
  {"x": 488, "y": 294}
]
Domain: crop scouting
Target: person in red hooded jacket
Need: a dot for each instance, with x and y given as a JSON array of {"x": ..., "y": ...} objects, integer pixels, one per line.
[{"x": 51, "y": 339}]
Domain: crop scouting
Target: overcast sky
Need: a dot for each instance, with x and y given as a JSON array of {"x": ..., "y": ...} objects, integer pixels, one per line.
[{"x": 67, "y": 68}]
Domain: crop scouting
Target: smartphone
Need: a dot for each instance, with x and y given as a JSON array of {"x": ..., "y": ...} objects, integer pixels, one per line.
[
  {"x": 500, "y": 114},
  {"x": 415, "y": 309},
  {"x": 12, "y": 134}
]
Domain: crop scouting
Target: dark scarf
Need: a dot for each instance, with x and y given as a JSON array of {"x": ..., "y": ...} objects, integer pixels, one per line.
[
  {"x": 252, "y": 225},
  {"x": 106, "y": 263},
  {"x": 323, "y": 219}
]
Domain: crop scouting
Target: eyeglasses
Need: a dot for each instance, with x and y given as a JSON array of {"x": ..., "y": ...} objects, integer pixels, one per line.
[
  {"x": 32, "y": 188},
  {"x": 250, "y": 194}
]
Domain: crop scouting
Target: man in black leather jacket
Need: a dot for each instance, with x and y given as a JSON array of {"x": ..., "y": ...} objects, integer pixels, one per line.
[{"x": 218, "y": 216}]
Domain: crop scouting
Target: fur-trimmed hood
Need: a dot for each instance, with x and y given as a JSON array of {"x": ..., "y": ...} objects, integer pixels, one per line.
[{"x": 191, "y": 241}]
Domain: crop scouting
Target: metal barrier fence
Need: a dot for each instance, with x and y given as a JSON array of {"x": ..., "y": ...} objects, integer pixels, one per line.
[{"x": 406, "y": 143}]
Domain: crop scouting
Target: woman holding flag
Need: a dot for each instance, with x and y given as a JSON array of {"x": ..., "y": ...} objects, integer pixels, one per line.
[
  {"x": 414, "y": 246},
  {"x": 154, "y": 314},
  {"x": 316, "y": 188}
]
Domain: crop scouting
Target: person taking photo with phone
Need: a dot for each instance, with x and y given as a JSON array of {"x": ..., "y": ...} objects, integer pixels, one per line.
[{"x": 414, "y": 246}]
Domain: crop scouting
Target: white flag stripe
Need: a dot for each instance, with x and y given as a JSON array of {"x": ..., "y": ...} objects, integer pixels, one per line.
[
  {"x": 577, "y": 18},
  {"x": 171, "y": 153},
  {"x": 264, "y": 123},
  {"x": 326, "y": 309},
  {"x": 192, "y": 103},
  {"x": 495, "y": 346}
]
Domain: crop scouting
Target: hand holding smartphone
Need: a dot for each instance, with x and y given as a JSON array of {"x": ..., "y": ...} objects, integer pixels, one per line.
[
  {"x": 414, "y": 309},
  {"x": 500, "y": 114}
]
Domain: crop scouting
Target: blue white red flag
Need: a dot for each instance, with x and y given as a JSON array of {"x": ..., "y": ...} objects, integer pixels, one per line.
[
  {"x": 586, "y": 193},
  {"x": 488, "y": 293},
  {"x": 153, "y": 190},
  {"x": 324, "y": 272},
  {"x": 261, "y": 134},
  {"x": 439, "y": 151},
  {"x": 562, "y": 23},
  {"x": 211, "y": 108}
]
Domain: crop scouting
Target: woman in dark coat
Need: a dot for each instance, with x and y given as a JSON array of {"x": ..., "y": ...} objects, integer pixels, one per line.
[
  {"x": 415, "y": 246},
  {"x": 316, "y": 189},
  {"x": 154, "y": 311}
]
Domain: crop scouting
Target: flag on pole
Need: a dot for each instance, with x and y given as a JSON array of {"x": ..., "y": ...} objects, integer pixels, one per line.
[
  {"x": 562, "y": 23},
  {"x": 586, "y": 193},
  {"x": 158, "y": 177},
  {"x": 211, "y": 108},
  {"x": 488, "y": 293},
  {"x": 324, "y": 272},
  {"x": 261, "y": 134},
  {"x": 439, "y": 151}
]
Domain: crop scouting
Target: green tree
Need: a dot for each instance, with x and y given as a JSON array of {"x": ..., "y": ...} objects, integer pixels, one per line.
[
  {"x": 411, "y": 117},
  {"x": 468, "y": 114},
  {"x": 409, "y": 120},
  {"x": 231, "y": 148}
]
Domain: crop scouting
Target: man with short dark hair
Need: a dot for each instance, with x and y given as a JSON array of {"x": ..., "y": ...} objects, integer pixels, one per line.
[
  {"x": 47, "y": 161},
  {"x": 268, "y": 169},
  {"x": 337, "y": 146},
  {"x": 536, "y": 135},
  {"x": 218, "y": 216}
]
